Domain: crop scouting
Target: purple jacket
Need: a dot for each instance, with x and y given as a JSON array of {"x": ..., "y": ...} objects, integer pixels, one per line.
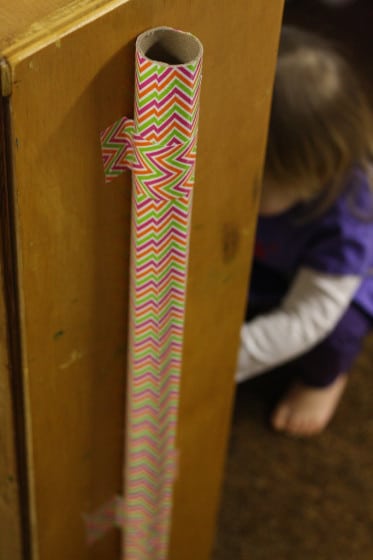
[{"x": 340, "y": 241}]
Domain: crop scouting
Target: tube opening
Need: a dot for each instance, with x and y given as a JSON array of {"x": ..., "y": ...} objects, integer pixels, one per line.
[{"x": 168, "y": 46}]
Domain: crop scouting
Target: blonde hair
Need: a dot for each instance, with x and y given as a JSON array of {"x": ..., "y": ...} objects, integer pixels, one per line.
[{"x": 321, "y": 123}]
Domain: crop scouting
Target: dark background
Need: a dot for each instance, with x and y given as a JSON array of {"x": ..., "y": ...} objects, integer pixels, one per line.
[{"x": 294, "y": 499}]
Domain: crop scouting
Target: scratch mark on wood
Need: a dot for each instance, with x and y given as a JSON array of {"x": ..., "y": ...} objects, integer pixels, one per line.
[{"x": 74, "y": 357}]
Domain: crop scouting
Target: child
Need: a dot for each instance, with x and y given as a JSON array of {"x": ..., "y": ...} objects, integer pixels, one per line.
[{"x": 311, "y": 290}]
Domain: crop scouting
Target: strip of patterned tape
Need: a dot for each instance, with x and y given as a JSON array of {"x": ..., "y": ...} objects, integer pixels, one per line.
[
  {"x": 160, "y": 148},
  {"x": 111, "y": 514}
]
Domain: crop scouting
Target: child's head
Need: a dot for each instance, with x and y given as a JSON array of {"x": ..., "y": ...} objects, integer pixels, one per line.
[{"x": 320, "y": 126}]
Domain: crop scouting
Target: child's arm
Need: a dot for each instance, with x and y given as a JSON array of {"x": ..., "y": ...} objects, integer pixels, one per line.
[{"x": 310, "y": 311}]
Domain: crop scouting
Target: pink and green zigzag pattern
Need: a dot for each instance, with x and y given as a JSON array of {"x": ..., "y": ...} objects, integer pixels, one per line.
[{"x": 160, "y": 148}]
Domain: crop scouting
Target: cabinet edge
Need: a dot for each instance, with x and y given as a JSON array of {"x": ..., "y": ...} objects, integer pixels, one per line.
[{"x": 5, "y": 78}]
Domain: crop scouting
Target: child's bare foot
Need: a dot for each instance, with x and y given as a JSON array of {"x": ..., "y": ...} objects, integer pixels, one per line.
[{"x": 305, "y": 411}]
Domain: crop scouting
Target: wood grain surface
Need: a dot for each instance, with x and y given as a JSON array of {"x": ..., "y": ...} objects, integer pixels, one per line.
[
  {"x": 10, "y": 518},
  {"x": 32, "y": 24},
  {"x": 10, "y": 507},
  {"x": 73, "y": 249}
]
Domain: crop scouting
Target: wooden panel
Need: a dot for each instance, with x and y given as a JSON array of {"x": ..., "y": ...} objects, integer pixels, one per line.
[
  {"x": 10, "y": 520},
  {"x": 22, "y": 22},
  {"x": 10, "y": 515},
  {"x": 73, "y": 240},
  {"x": 22, "y": 16}
]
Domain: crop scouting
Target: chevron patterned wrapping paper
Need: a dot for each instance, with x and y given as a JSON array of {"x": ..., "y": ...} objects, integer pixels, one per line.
[{"x": 159, "y": 145}]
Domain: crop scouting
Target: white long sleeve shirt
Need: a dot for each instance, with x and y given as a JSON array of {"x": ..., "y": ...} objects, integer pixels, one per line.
[{"x": 312, "y": 308}]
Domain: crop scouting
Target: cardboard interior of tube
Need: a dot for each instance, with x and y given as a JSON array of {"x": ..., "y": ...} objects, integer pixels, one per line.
[{"x": 169, "y": 46}]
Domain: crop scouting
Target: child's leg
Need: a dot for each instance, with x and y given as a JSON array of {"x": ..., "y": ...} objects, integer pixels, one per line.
[{"x": 310, "y": 404}]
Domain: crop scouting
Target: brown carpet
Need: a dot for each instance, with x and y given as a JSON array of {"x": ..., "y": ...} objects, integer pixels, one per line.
[{"x": 288, "y": 499}]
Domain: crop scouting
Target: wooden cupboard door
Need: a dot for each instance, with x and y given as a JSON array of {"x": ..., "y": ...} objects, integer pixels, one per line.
[
  {"x": 11, "y": 406},
  {"x": 72, "y": 236},
  {"x": 10, "y": 512}
]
